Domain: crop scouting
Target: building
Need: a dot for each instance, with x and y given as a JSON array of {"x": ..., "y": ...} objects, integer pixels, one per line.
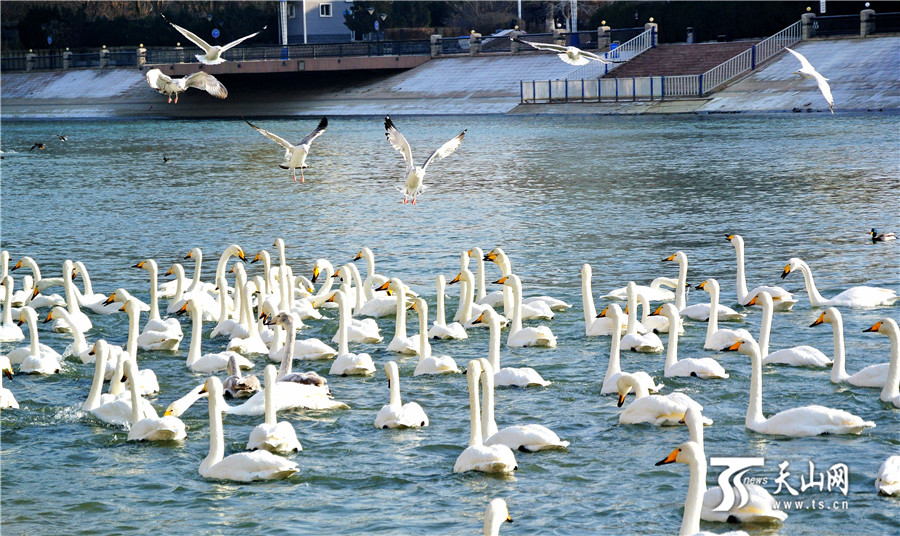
[{"x": 315, "y": 21}]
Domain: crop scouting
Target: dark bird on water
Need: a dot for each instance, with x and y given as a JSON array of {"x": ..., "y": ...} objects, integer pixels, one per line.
[{"x": 39, "y": 145}]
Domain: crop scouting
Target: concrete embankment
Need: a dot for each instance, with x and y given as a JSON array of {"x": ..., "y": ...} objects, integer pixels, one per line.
[{"x": 863, "y": 75}]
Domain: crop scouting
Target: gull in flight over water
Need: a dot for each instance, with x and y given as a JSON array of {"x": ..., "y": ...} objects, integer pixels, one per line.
[
  {"x": 808, "y": 71},
  {"x": 173, "y": 86},
  {"x": 294, "y": 155},
  {"x": 213, "y": 54},
  {"x": 570, "y": 55},
  {"x": 415, "y": 174}
]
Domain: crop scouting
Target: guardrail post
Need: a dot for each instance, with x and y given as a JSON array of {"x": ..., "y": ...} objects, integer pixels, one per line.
[
  {"x": 752, "y": 57},
  {"x": 699, "y": 85},
  {"x": 654, "y": 29},
  {"x": 474, "y": 43},
  {"x": 603, "y": 36},
  {"x": 104, "y": 57},
  {"x": 66, "y": 59},
  {"x": 141, "y": 56},
  {"x": 662, "y": 88},
  {"x": 807, "y": 20},
  {"x": 514, "y": 45},
  {"x": 866, "y": 22}
]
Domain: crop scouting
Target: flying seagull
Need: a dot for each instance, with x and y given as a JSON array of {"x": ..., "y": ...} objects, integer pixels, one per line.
[
  {"x": 415, "y": 174},
  {"x": 808, "y": 71},
  {"x": 570, "y": 55},
  {"x": 294, "y": 155},
  {"x": 173, "y": 86},
  {"x": 213, "y": 54}
]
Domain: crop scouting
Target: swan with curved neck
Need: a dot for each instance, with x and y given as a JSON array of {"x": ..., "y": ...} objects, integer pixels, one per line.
[
  {"x": 166, "y": 334},
  {"x": 680, "y": 298},
  {"x": 782, "y": 299},
  {"x": 401, "y": 342},
  {"x": 890, "y": 393},
  {"x": 34, "y": 347},
  {"x": 346, "y": 364},
  {"x": 271, "y": 435},
  {"x": 81, "y": 319},
  {"x": 7, "y": 399},
  {"x": 494, "y": 516},
  {"x": 526, "y": 438},
  {"x": 196, "y": 284},
  {"x": 253, "y": 342},
  {"x": 89, "y": 299},
  {"x": 477, "y": 456},
  {"x": 429, "y": 364},
  {"x": 211, "y": 362},
  {"x": 307, "y": 349},
  {"x": 111, "y": 408},
  {"x": 39, "y": 284},
  {"x": 614, "y": 368},
  {"x": 519, "y": 336},
  {"x": 692, "y": 454},
  {"x": 147, "y": 382},
  {"x": 659, "y": 410},
  {"x": 717, "y": 338},
  {"x": 243, "y": 466},
  {"x": 593, "y": 326},
  {"x": 535, "y": 306},
  {"x": 440, "y": 329},
  {"x": 9, "y": 331},
  {"x": 861, "y": 296},
  {"x": 79, "y": 347},
  {"x": 36, "y": 361},
  {"x": 372, "y": 280},
  {"x": 468, "y": 310},
  {"x": 795, "y": 422},
  {"x": 705, "y": 368},
  {"x": 636, "y": 337},
  {"x": 519, "y": 377},
  {"x": 798, "y": 356},
  {"x": 322, "y": 269},
  {"x": 231, "y": 251},
  {"x": 396, "y": 414},
  {"x": 150, "y": 427}
]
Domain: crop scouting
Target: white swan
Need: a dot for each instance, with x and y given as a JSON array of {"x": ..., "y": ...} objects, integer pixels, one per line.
[
  {"x": 477, "y": 456},
  {"x": 178, "y": 407},
  {"x": 161, "y": 334},
  {"x": 112, "y": 409},
  {"x": 593, "y": 325},
  {"x": 307, "y": 349},
  {"x": 211, "y": 362},
  {"x": 197, "y": 285},
  {"x": 717, "y": 338},
  {"x": 9, "y": 331},
  {"x": 37, "y": 361},
  {"x": 705, "y": 368},
  {"x": 440, "y": 329},
  {"x": 28, "y": 295},
  {"x": 613, "y": 368},
  {"x": 147, "y": 382},
  {"x": 518, "y": 377},
  {"x": 480, "y": 288},
  {"x": 401, "y": 342},
  {"x": 692, "y": 454},
  {"x": 206, "y": 302},
  {"x": 888, "y": 480},
  {"x": 346, "y": 363},
  {"x": 79, "y": 347},
  {"x": 494, "y": 516},
  {"x": 468, "y": 310},
  {"x": 273, "y": 436},
  {"x": 81, "y": 319},
  {"x": 243, "y": 466},
  {"x": 794, "y": 422},
  {"x": 890, "y": 393},
  {"x": 700, "y": 311},
  {"x": 656, "y": 323},
  {"x": 236, "y": 385},
  {"x": 373, "y": 279},
  {"x": 798, "y": 356},
  {"x": 429, "y": 364},
  {"x": 634, "y": 339},
  {"x": 89, "y": 299},
  {"x": 501, "y": 259},
  {"x": 7, "y": 399},
  {"x": 396, "y": 414},
  {"x": 27, "y": 315},
  {"x": 253, "y": 342},
  {"x": 285, "y": 322},
  {"x": 871, "y": 376},
  {"x": 654, "y": 292},
  {"x": 525, "y": 438},
  {"x": 782, "y": 299},
  {"x": 150, "y": 427},
  {"x": 758, "y": 507},
  {"x": 680, "y": 297},
  {"x": 659, "y": 410},
  {"x": 364, "y": 330},
  {"x": 225, "y": 324},
  {"x": 519, "y": 336},
  {"x": 852, "y": 297}
]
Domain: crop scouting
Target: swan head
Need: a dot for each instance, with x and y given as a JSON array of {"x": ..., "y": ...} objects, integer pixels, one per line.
[
  {"x": 6, "y": 367},
  {"x": 236, "y": 250},
  {"x": 667, "y": 310},
  {"x": 830, "y": 315},
  {"x": 178, "y": 407},
  {"x": 262, "y": 255},
  {"x": 176, "y": 269},
  {"x": 685, "y": 453},
  {"x": 624, "y": 384},
  {"x": 735, "y": 239},
  {"x": 885, "y": 326},
  {"x": 678, "y": 257},
  {"x": 494, "y": 254},
  {"x": 710, "y": 285},
  {"x": 189, "y": 307},
  {"x": 320, "y": 266},
  {"x": 194, "y": 253},
  {"x": 612, "y": 311},
  {"x": 54, "y": 313},
  {"x": 512, "y": 280},
  {"x": 586, "y": 270},
  {"x": 27, "y": 314},
  {"x": 149, "y": 265},
  {"x": 496, "y": 514},
  {"x": 420, "y": 306},
  {"x": 364, "y": 253},
  {"x": 283, "y": 319},
  {"x": 476, "y": 253},
  {"x": 792, "y": 265},
  {"x": 744, "y": 345},
  {"x": 763, "y": 298}
]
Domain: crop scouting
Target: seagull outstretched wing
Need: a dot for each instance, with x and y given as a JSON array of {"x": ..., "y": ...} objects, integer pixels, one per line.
[
  {"x": 206, "y": 82},
  {"x": 236, "y": 42},
  {"x": 399, "y": 142},
  {"x": 277, "y": 139},
  {"x": 190, "y": 35},
  {"x": 446, "y": 149},
  {"x": 323, "y": 124}
]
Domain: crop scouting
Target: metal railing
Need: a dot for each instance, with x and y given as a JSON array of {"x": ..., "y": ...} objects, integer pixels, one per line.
[
  {"x": 886, "y": 22},
  {"x": 657, "y": 87},
  {"x": 835, "y": 25},
  {"x": 622, "y": 53}
]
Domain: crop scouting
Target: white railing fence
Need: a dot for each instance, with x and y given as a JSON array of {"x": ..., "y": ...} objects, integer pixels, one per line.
[{"x": 622, "y": 53}]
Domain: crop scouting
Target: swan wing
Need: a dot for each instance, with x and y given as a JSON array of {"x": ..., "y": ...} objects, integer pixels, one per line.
[
  {"x": 194, "y": 38},
  {"x": 487, "y": 459},
  {"x": 871, "y": 376},
  {"x": 398, "y": 142},
  {"x": 446, "y": 149},
  {"x": 277, "y": 438},
  {"x": 277, "y": 139},
  {"x": 206, "y": 82},
  {"x": 530, "y": 437},
  {"x": 814, "y": 420},
  {"x": 705, "y": 368},
  {"x": 519, "y": 377},
  {"x": 654, "y": 409},
  {"x": 237, "y": 42},
  {"x": 249, "y": 466},
  {"x": 758, "y": 507},
  {"x": 798, "y": 356},
  {"x": 323, "y": 124},
  {"x": 888, "y": 480}
]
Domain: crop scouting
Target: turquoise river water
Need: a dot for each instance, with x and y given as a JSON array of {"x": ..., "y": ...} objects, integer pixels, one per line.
[{"x": 554, "y": 192}]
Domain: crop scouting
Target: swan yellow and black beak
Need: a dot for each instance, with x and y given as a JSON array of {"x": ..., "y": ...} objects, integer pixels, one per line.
[
  {"x": 49, "y": 317},
  {"x": 681, "y": 421},
  {"x": 874, "y": 328},
  {"x": 669, "y": 258},
  {"x": 818, "y": 321},
  {"x": 358, "y": 256},
  {"x": 315, "y": 274},
  {"x": 257, "y": 258},
  {"x": 331, "y": 298},
  {"x": 754, "y": 301},
  {"x": 508, "y": 519},
  {"x": 384, "y": 286},
  {"x": 170, "y": 272},
  {"x": 480, "y": 319},
  {"x": 734, "y": 347},
  {"x": 240, "y": 255},
  {"x": 455, "y": 279},
  {"x": 183, "y": 309},
  {"x": 621, "y": 401},
  {"x": 16, "y": 267},
  {"x": 139, "y": 265},
  {"x": 787, "y": 270},
  {"x": 657, "y": 311},
  {"x": 729, "y": 237},
  {"x": 112, "y": 298},
  {"x": 189, "y": 255},
  {"x": 35, "y": 292},
  {"x": 491, "y": 256},
  {"x": 670, "y": 458},
  {"x": 501, "y": 281},
  {"x": 603, "y": 313}
]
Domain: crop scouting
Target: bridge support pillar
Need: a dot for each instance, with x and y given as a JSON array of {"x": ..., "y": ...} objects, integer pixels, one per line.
[
  {"x": 436, "y": 46},
  {"x": 866, "y": 22}
]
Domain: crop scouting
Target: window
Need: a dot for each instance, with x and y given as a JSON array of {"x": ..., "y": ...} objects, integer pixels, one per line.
[
  {"x": 292, "y": 10},
  {"x": 324, "y": 10}
]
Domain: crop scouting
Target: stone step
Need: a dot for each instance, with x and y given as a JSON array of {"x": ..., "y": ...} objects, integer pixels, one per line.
[{"x": 680, "y": 59}]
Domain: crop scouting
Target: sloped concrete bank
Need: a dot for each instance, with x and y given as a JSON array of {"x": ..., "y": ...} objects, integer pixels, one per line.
[{"x": 863, "y": 75}]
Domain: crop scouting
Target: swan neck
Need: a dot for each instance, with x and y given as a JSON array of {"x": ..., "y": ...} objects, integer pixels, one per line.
[
  {"x": 135, "y": 397},
  {"x": 195, "y": 281},
  {"x": 615, "y": 345},
  {"x": 891, "y": 390},
  {"x": 69, "y": 286},
  {"x": 680, "y": 298},
  {"x": 395, "y": 387},
  {"x": 343, "y": 326},
  {"x": 765, "y": 327},
  {"x": 466, "y": 294},
  {"x": 196, "y": 337},
  {"x": 690, "y": 522},
  {"x": 441, "y": 319},
  {"x": 400, "y": 328},
  {"x": 270, "y": 399},
  {"x": 839, "y": 366},
  {"x": 154, "y": 292},
  {"x": 488, "y": 425},
  {"x": 357, "y": 282},
  {"x": 220, "y": 267},
  {"x": 134, "y": 319},
  {"x": 631, "y": 327},
  {"x": 587, "y": 301},
  {"x": 216, "y": 435},
  {"x": 712, "y": 324},
  {"x": 424, "y": 346},
  {"x": 97, "y": 383},
  {"x": 754, "y": 409},
  {"x": 741, "y": 282},
  {"x": 814, "y": 297},
  {"x": 7, "y": 304},
  {"x": 480, "y": 291},
  {"x": 88, "y": 287},
  {"x": 475, "y": 437},
  {"x": 179, "y": 287},
  {"x": 287, "y": 359},
  {"x": 672, "y": 350},
  {"x": 516, "y": 324}
]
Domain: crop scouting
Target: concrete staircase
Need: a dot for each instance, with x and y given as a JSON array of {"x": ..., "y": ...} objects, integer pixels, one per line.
[{"x": 679, "y": 59}]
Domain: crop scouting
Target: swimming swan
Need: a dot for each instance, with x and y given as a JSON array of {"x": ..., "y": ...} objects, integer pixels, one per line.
[
  {"x": 613, "y": 368},
  {"x": 519, "y": 336},
  {"x": 242, "y": 466},
  {"x": 7, "y": 399},
  {"x": 871, "y": 376},
  {"x": 705, "y": 368},
  {"x": 782, "y": 299},
  {"x": 890, "y": 393},
  {"x": 345, "y": 363},
  {"x": 211, "y": 362},
  {"x": 794, "y": 422},
  {"x": 401, "y": 342},
  {"x": 9, "y": 331},
  {"x": 494, "y": 516},
  {"x": 717, "y": 338},
  {"x": 37, "y": 361},
  {"x": 273, "y": 436},
  {"x": 477, "y": 456},
  {"x": 798, "y": 356},
  {"x": 852, "y": 297},
  {"x": 888, "y": 480},
  {"x": 593, "y": 325},
  {"x": 440, "y": 329},
  {"x": 150, "y": 427},
  {"x": 161, "y": 334},
  {"x": 396, "y": 414},
  {"x": 111, "y": 408},
  {"x": 428, "y": 363},
  {"x": 659, "y": 410},
  {"x": 518, "y": 377},
  {"x": 636, "y": 337}
]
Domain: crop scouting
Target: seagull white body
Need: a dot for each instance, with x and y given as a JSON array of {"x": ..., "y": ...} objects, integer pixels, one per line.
[
  {"x": 415, "y": 175},
  {"x": 213, "y": 53},
  {"x": 808, "y": 71},
  {"x": 173, "y": 86},
  {"x": 570, "y": 55},
  {"x": 294, "y": 155}
]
